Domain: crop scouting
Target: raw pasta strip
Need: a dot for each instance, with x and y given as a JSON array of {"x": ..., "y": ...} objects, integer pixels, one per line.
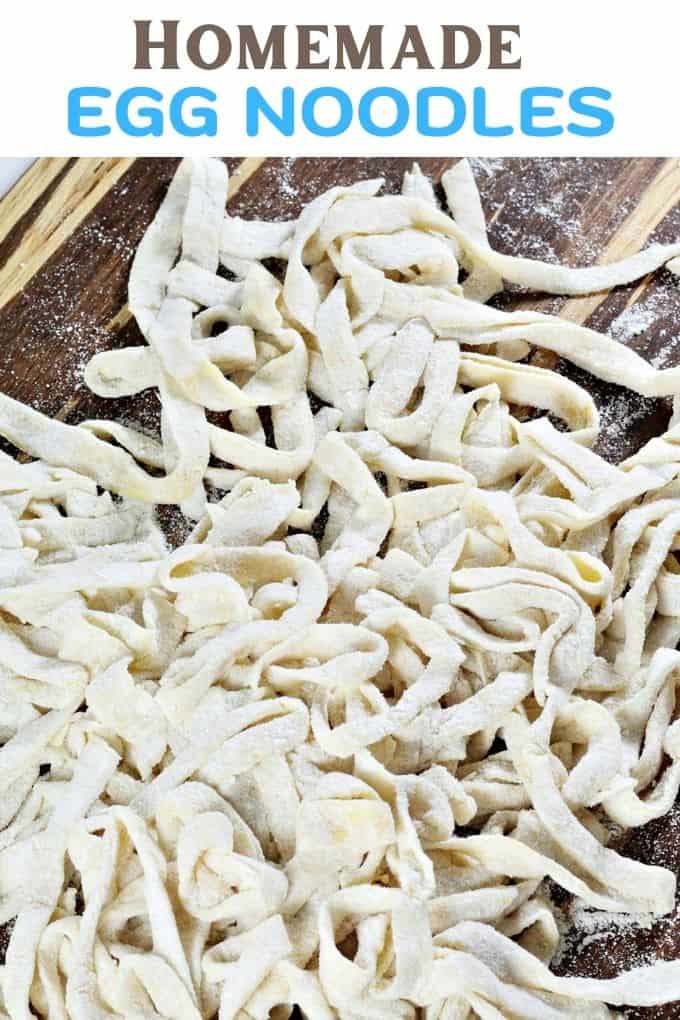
[{"x": 75, "y": 448}]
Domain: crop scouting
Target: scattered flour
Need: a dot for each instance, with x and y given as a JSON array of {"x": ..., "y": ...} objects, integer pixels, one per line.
[
  {"x": 486, "y": 166},
  {"x": 96, "y": 234},
  {"x": 287, "y": 188},
  {"x": 581, "y": 926},
  {"x": 657, "y": 314},
  {"x": 632, "y": 321},
  {"x": 565, "y": 203},
  {"x": 620, "y": 413}
]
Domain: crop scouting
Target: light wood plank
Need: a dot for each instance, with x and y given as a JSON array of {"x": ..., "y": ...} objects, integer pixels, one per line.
[
  {"x": 243, "y": 172},
  {"x": 26, "y": 191},
  {"x": 73, "y": 199},
  {"x": 656, "y": 201}
]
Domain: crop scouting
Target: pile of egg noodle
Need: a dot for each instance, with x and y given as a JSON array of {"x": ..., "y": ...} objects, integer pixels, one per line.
[{"x": 266, "y": 769}]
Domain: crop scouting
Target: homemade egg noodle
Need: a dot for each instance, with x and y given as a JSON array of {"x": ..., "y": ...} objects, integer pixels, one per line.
[{"x": 415, "y": 662}]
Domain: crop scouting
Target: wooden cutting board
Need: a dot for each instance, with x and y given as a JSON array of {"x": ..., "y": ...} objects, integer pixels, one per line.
[{"x": 69, "y": 229}]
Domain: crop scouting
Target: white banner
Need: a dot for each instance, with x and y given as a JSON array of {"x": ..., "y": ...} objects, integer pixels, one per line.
[{"x": 491, "y": 78}]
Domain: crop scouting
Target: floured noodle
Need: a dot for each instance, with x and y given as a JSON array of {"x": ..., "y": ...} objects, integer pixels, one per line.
[{"x": 325, "y": 753}]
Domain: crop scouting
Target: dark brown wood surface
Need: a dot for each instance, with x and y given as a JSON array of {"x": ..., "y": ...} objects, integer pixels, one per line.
[{"x": 68, "y": 231}]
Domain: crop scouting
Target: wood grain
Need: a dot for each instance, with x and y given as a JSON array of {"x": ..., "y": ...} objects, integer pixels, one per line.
[
  {"x": 80, "y": 189},
  {"x": 26, "y": 196},
  {"x": 69, "y": 228}
]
